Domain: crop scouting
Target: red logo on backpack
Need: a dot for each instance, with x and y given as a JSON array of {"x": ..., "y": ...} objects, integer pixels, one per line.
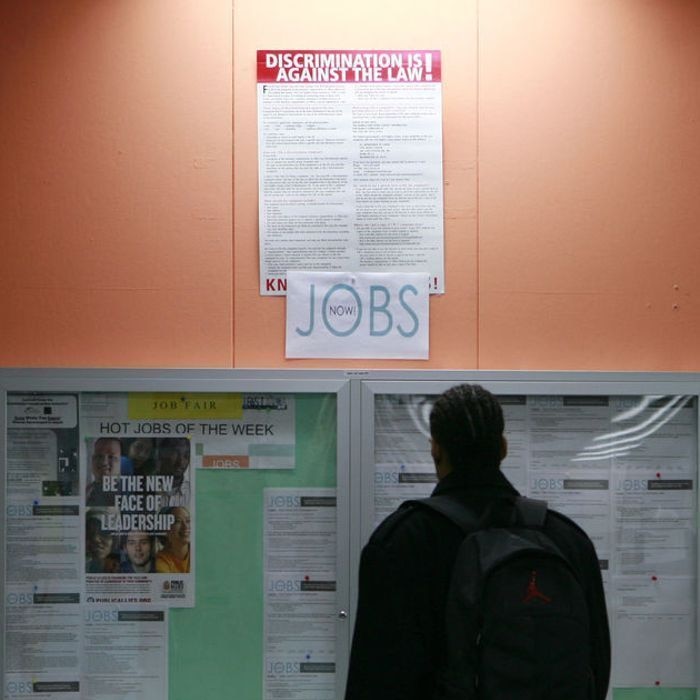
[{"x": 533, "y": 592}]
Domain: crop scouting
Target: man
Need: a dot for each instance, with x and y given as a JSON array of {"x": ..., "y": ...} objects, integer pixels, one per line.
[
  {"x": 105, "y": 461},
  {"x": 173, "y": 459},
  {"x": 139, "y": 553},
  {"x": 99, "y": 544},
  {"x": 399, "y": 639}
]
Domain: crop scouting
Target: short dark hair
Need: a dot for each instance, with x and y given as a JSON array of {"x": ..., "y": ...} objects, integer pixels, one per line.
[
  {"x": 467, "y": 422},
  {"x": 178, "y": 444}
]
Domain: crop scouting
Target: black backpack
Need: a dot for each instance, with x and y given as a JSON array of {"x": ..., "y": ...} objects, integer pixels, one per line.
[{"x": 516, "y": 616}]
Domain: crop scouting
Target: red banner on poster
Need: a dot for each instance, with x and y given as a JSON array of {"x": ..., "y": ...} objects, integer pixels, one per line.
[{"x": 348, "y": 66}]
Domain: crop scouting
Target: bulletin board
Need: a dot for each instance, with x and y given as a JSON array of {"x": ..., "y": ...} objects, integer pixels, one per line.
[
  {"x": 616, "y": 452},
  {"x": 256, "y": 614},
  {"x": 282, "y": 504}
]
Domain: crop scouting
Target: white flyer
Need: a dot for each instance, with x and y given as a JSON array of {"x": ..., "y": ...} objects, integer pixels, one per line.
[
  {"x": 357, "y": 315},
  {"x": 654, "y": 524},
  {"x": 124, "y": 653},
  {"x": 42, "y": 643},
  {"x": 350, "y": 163},
  {"x": 299, "y": 599},
  {"x": 403, "y": 468},
  {"x": 649, "y": 610},
  {"x": 515, "y": 465},
  {"x": 42, "y": 540}
]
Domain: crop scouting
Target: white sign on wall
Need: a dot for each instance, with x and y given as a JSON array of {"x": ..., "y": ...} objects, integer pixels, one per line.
[
  {"x": 357, "y": 315},
  {"x": 350, "y": 163}
]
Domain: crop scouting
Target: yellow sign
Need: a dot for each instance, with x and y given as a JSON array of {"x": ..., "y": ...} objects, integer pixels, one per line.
[{"x": 171, "y": 406}]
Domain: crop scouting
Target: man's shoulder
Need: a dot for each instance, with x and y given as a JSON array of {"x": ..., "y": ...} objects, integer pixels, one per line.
[
  {"x": 572, "y": 539},
  {"x": 410, "y": 521},
  {"x": 560, "y": 523}
]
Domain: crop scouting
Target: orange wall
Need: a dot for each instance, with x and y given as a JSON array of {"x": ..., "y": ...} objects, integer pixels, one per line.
[
  {"x": 589, "y": 196},
  {"x": 115, "y": 197},
  {"x": 571, "y": 168}
]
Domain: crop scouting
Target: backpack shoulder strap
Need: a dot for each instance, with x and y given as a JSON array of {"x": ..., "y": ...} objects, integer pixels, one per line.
[
  {"x": 452, "y": 509},
  {"x": 531, "y": 512}
]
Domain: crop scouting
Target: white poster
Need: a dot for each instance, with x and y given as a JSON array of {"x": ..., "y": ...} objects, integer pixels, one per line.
[
  {"x": 42, "y": 451},
  {"x": 404, "y": 469},
  {"x": 42, "y": 643},
  {"x": 124, "y": 653},
  {"x": 139, "y": 527},
  {"x": 139, "y": 506},
  {"x": 42, "y": 540},
  {"x": 357, "y": 315},
  {"x": 350, "y": 163},
  {"x": 300, "y": 602}
]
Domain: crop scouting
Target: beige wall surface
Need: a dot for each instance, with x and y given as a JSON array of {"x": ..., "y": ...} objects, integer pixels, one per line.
[{"x": 128, "y": 184}]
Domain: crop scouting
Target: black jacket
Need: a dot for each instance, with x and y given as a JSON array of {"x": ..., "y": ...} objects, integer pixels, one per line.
[{"x": 405, "y": 568}]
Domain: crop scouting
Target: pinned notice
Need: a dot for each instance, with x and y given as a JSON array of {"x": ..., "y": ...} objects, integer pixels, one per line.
[{"x": 357, "y": 315}]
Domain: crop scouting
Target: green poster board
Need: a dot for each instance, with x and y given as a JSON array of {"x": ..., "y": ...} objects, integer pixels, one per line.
[{"x": 216, "y": 648}]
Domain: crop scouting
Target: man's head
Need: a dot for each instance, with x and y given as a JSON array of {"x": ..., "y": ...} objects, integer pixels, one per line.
[
  {"x": 141, "y": 450},
  {"x": 139, "y": 546},
  {"x": 106, "y": 458},
  {"x": 173, "y": 457},
  {"x": 98, "y": 542},
  {"x": 466, "y": 428}
]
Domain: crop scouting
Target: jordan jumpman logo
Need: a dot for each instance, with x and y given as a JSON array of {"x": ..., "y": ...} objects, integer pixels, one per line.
[{"x": 534, "y": 593}]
